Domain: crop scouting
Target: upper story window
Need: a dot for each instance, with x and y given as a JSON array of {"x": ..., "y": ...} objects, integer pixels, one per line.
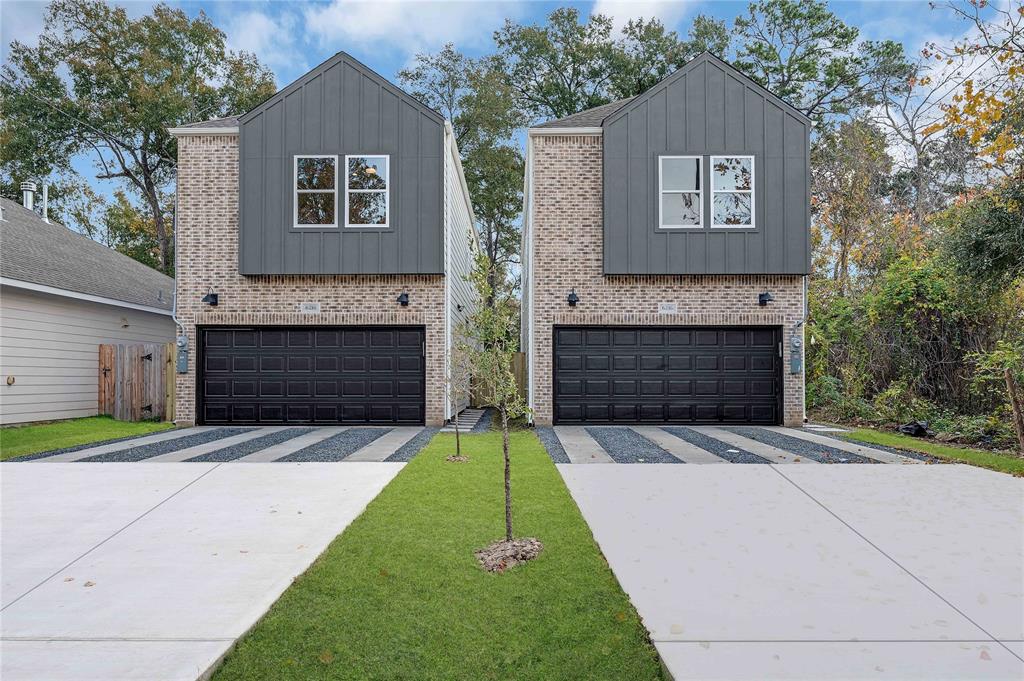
[
  {"x": 680, "y": 192},
  {"x": 366, "y": 191},
  {"x": 732, "y": 191},
  {"x": 316, "y": 191}
]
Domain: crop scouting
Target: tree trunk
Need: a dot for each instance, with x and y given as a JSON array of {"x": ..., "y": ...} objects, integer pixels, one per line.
[
  {"x": 508, "y": 474},
  {"x": 455, "y": 417},
  {"x": 1016, "y": 407},
  {"x": 162, "y": 238}
]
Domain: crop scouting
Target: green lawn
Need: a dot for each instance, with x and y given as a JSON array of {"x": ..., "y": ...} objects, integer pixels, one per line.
[
  {"x": 399, "y": 594},
  {"x": 20, "y": 440},
  {"x": 1003, "y": 462}
]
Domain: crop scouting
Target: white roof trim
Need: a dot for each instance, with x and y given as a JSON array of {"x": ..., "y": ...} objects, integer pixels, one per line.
[
  {"x": 53, "y": 290},
  {"x": 192, "y": 132},
  {"x": 539, "y": 132}
]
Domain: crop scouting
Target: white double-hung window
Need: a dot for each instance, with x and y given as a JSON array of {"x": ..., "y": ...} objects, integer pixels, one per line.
[
  {"x": 680, "y": 192},
  {"x": 732, "y": 191},
  {"x": 316, "y": 191},
  {"x": 367, "y": 184}
]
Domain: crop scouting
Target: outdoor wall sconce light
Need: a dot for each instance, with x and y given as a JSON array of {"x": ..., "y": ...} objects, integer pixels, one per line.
[
  {"x": 764, "y": 298},
  {"x": 573, "y": 298},
  {"x": 403, "y": 299},
  {"x": 458, "y": 306},
  {"x": 210, "y": 298}
]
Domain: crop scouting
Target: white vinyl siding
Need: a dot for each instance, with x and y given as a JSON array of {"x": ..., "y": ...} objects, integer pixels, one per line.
[
  {"x": 461, "y": 242},
  {"x": 50, "y": 345}
]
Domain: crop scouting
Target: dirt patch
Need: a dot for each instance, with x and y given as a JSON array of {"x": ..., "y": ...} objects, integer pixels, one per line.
[
  {"x": 502, "y": 555},
  {"x": 456, "y": 458}
]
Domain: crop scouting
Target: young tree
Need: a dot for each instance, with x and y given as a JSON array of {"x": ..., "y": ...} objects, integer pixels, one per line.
[
  {"x": 494, "y": 331},
  {"x": 104, "y": 84},
  {"x": 458, "y": 379}
]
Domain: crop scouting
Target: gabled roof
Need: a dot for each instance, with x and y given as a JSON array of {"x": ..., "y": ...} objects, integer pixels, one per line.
[
  {"x": 226, "y": 122},
  {"x": 589, "y": 118},
  {"x": 600, "y": 115},
  {"x": 48, "y": 254}
]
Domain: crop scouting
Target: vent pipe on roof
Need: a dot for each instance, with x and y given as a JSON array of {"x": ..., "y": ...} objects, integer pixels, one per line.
[
  {"x": 46, "y": 203},
  {"x": 28, "y": 194}
]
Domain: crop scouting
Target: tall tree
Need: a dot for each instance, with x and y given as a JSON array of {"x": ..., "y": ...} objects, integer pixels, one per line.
[
  {"x": 104, "y": 84},
  {"x": 809, "y": 57},
  {"x": 475, "y": 95},
  {"x": 558, "y": 68}
]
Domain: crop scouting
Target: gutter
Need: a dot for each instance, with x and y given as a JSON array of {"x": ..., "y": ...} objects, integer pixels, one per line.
[
  {"x": 192, "y": 132},
  {"x": 546, "y": 132}
]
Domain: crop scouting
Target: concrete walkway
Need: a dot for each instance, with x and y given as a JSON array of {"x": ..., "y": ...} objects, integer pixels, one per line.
[
  {"x": 817, "y": 572},
  {"x": 151, "y": 572}
]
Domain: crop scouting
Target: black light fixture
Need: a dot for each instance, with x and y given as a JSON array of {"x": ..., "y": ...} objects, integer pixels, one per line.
[
  {"x": 403, "y": 299},
  {"x": 458, "y": 306},
  {"x": 210, "y": 298},
  {"x": 573, "y": 298},
  {"x": 764, "y": 298}
]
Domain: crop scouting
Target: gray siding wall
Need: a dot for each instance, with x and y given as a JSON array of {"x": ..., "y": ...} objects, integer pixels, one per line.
[
  {"x": 341, "y": 107},
  {"x": 707, "y": 108},
  {"x": 461, "y": 240},
  {"x": 50, "y": 345}
]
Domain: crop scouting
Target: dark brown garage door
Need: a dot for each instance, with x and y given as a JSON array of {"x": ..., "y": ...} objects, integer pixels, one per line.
[
  {"x": 667, "y": 375},
  {"x": 325, "y": 375}
]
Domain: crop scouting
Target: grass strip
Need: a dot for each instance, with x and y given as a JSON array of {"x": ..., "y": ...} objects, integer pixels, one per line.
[
  {"x": 45, "y": 437},
  {"x": 1004, "y": 462},
  {"x": 399, "y": 594}
]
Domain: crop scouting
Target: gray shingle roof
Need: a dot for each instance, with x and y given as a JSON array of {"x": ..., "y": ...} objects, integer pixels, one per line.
[
  {"x": 50, "y": 254},
  {"x": 226, "y": 122},
  {"x": 591, "y": 118}
]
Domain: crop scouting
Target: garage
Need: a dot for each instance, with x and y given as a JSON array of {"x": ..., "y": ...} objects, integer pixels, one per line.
[
  {"x": 314, "y": 375},
  {"x": 605, "y": 375}
]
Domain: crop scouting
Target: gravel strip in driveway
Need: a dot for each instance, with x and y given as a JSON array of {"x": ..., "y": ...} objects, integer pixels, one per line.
[
  {"x": 625, "y": 445},
  {"x": 551, "y": 443},
  {"x": 413, "y": 446},
  {"x": 87, "y": 445},
  {"x": 247, "y": 448},
  {"x": 484, "y": 424},
  {"x": 338, "y": 447},
  {"x": 716, "y": 447},
  {"x": 794, "y": 445},
  {"x": 157, "y": 448}
]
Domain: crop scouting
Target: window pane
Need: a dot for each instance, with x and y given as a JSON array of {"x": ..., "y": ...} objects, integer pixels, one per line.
[
  {"x": 680, "y": 209},
  {"x": 731, "y": 172},
  {"x": 367, "y": 172},
  {"x": 367, "y": 209},
  {"x": 315, "y": 173},
  {"x": 680, "y": 174},
  {"x": 732, "y": 209},
  {"x": 316, "y": 209}
]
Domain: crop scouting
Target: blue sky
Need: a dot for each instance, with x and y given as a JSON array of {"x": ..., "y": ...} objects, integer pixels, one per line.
[{"x": 292, "y": 37}]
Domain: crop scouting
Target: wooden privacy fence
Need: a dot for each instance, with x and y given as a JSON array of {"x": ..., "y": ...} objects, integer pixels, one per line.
[{"x": 137, "y": 381}]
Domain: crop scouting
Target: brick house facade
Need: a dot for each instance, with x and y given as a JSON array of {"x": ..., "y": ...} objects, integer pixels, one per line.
[
  {"x": 207, "y": 241},
  {"x": 565, "y": 247}
]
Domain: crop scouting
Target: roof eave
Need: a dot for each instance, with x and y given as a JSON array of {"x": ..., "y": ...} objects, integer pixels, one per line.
[
  {"x": 542, "y": 132},
  {"x": 194, "y": 132}
]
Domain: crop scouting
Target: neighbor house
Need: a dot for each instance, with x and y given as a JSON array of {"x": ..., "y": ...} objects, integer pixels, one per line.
[
  {"x": 665, "y": 251},
  {"x": 323, "y": 239},
  {"x": 61, "y": 296}
]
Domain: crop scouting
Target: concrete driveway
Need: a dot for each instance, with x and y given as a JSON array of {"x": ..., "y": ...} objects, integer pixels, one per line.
[
  {"x": 817, "y": 572},
  {"x": 152, "y": 571}
]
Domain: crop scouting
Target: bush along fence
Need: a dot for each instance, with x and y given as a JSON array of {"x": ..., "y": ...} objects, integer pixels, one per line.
[{"x": 136, "y": 382}]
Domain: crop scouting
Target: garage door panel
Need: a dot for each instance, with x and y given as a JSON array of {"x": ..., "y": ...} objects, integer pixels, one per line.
[
  {"x": 667, "y": 374},
  {"x": 328, "y": 375}
]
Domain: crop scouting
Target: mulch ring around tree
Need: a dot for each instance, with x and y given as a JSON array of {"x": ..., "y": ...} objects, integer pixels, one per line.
[
  {"x": 456, "y": 458},
  {"x": 503, "y": 555}
]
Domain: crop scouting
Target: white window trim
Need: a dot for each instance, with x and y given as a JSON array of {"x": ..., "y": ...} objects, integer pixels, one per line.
[
  {"x": 662, "y": 191},
  {"x": 296, "y": 191},
  {"x": 386, "y": 190},
  {"x": 753, "y": 184}
]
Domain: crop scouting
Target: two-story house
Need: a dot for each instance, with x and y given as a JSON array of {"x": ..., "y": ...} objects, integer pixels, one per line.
[
  {"x": 322, "y": 243},
  {"x": 665, "y": 252}
]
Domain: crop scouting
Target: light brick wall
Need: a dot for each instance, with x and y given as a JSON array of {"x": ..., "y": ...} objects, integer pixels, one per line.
[
  {"x": 567, "y": 253},
  {"x": 207, "y": 242}
]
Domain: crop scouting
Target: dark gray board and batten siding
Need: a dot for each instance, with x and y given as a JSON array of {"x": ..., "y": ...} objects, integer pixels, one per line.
[
  {"x": 706, "y": 108},
  {"x": 341, "y": 107}
]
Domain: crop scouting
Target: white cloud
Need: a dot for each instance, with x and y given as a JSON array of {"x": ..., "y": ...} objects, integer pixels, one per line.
[
  {"x": 21, "y": 21},
  {"x": 407, "y": 27},
  {"x": 669, "y": 12},
  {"x": 270, "y": 38}
]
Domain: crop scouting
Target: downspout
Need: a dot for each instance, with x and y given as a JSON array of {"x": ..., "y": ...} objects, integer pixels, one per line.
[
  {"x": 803, "y": 346},
  {"x": 174, "y": 296}
]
